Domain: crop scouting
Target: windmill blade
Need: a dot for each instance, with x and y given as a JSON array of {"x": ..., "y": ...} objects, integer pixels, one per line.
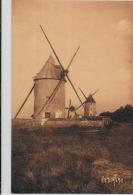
[
  {"x": 72, "y": 58},
  {"x": 51, "y": 97},
  {"x": 95, "y": 92},
  {"x": 82, "y": 93},
  {"x": 74, "y": 89},
  {"x": 80, "y": 105},
  {"x": 24, "y": 101},
  {"x": 60, "y": 64},
  {"x": 52, "y": 48}
]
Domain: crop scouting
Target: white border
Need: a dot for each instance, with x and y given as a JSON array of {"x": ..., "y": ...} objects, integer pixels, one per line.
[
  {"x": 6, "y": 97},
  {"x": 6, "y": 86}
]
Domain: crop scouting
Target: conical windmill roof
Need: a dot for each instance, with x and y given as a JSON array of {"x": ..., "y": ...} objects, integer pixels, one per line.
[
  {"x": 49, "y": 70},
  {"x": 91, "y": 99}
]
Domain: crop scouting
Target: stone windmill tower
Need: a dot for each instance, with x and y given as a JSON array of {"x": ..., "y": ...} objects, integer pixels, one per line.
[
  {"x": 45, "y": 83},
  {"x": 89, "y": 104}
]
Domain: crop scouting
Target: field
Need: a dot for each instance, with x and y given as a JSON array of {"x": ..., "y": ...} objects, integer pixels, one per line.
[{"x": 72, "y": 160}]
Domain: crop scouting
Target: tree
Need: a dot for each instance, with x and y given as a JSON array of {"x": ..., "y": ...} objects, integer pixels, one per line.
[{"x": 122, "y": 114}]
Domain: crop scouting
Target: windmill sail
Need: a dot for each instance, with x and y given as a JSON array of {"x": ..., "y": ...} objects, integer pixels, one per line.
[
  {"x": 24, "y": 101},
  {"x": 95, "y": 92},
  {"x": 82, "y": 93},
  {"x": 60, "y": 64}
]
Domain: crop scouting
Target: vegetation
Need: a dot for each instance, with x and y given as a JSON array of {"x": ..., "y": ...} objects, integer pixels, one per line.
[
  {"x": 71, "y": 160},
  {"x": 123, "y": 114}
]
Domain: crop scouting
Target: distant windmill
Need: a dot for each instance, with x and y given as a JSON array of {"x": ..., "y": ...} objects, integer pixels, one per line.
[
  {"x": 49, "y": 88},
  {"x": 71, "y": 110},
  {"x": 90, "y": 104}
]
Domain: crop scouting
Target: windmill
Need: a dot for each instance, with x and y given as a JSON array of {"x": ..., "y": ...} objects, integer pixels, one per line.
[
  {"x": 71, "y": 111},
  {"x": 43, "y": 102},
  {"x": 90, "y": 104}
]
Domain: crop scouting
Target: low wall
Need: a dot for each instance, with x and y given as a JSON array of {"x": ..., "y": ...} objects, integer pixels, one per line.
[
  {"x": 29, "y": 123},
  {"x": 80, "y": 123}
]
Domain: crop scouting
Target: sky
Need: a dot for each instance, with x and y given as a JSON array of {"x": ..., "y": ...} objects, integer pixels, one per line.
[{"x": 104, "y": 31}]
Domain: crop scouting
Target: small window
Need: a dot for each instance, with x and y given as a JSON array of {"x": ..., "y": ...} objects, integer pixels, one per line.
[
  {"x": 47, "y": 98},
  {"x": 47, "y": 114}
]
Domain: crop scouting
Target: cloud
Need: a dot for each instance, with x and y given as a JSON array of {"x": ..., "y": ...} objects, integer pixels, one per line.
[{"x": 124, "y": 26}]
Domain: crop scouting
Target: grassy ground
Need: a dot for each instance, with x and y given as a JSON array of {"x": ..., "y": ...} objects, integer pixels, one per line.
[{"x": 64, "y": 160}]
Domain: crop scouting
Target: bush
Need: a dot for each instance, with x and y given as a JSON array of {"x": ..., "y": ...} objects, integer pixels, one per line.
[{"x": 123, "y": 114}]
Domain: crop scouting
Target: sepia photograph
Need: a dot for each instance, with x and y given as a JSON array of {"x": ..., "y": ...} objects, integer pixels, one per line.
[{"x": 72, "y": 97}]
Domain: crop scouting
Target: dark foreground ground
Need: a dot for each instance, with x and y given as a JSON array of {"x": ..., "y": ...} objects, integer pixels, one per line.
[{"x": 73, "y": 160}]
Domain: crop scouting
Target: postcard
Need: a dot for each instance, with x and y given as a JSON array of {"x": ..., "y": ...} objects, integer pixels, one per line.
[{"x": 72, "y": 97}]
